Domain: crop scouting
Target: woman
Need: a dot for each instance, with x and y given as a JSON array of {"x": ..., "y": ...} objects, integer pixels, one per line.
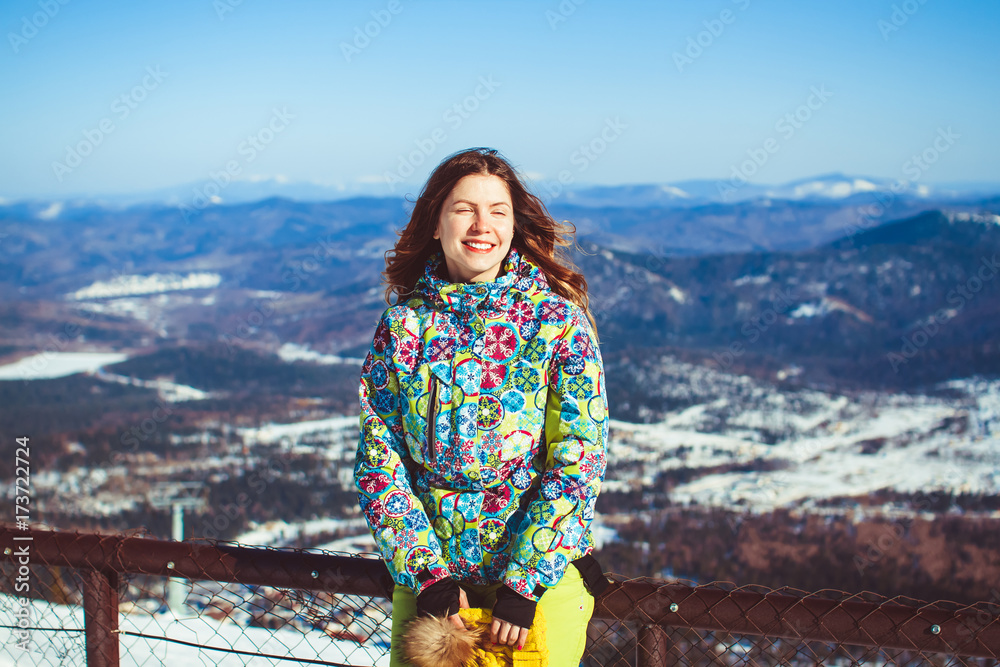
[{"x": 484, "y": 413}]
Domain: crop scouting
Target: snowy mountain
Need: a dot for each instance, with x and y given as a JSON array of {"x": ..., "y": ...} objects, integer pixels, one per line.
[
  {"x": 829, "y": 187},
  {"x": 808, "y": 354},
  {"x": 665, "y": 195}
]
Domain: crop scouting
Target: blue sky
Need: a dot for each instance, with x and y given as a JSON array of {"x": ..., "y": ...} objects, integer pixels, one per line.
[{"x": 629, "y": 79}]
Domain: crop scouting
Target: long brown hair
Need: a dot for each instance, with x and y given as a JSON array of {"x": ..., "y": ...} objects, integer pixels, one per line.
[{"x": 537, "y": 235}]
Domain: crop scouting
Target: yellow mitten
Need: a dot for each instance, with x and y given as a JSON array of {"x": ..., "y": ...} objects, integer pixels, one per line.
[
  {"x": 432, "y": 641},
  {"x": 534, "y": 654}
]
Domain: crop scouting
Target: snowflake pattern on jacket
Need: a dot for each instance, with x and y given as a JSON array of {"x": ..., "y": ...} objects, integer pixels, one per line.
[{"x": 483, "y": 431}]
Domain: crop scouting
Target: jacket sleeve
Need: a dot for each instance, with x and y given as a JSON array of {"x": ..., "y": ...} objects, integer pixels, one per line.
[
  {"x": 395, "y": 515},
  {"x": 555, "y": 529}
]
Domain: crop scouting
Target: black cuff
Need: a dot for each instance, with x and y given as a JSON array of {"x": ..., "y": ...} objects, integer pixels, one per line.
[
  {"x": 514, "y": 608},
  {"x": 592, "y": 575},
  {"x": 439, "y": 599}
]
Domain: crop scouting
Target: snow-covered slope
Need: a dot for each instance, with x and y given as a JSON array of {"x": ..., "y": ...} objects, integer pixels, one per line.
[
  {"x": 48, "y": 364},
  {"x": 798, "y": 448},
  {"x": 151, "y": 284},
  {"x": 731, "y": 442}
]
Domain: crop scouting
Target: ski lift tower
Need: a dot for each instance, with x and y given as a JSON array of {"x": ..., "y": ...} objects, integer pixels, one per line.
[{"x": 177, "y": 496}]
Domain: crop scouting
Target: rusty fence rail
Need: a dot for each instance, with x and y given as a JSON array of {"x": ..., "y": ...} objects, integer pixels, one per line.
[{"x": 114, "y": 599}]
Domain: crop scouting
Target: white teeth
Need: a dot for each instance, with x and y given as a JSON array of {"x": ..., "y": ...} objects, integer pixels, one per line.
[{"x": 479, "y": 246}]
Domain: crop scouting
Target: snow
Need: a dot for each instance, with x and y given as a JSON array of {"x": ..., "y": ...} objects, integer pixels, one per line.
[
  {"x": 47, "y": 365},
  {"x": 834, "y": 189},
  {"x": 51, "y": 212},
  {"x": 826, "y": 453},
  {"x": 168, "y": 391},
  {"x": 232, "y": 632},
  {"x": 361, "y": 543},
  {"x": 293, "y": 352},
  {"x": 828, "y": 188},
  {"x": 753, "y": 280},
  {"x": 982, "y": 218},
  {"x": 861, "y": 185},
  {"x": 810, "y": 309},
  {"x": 138, "y": 309},
  {"x": 123, "y": 285},
  {"x": 277, "y": 433},
  {"x": 745, "y": 443},
  {"x": 602, "y": 533},
  {"x": 283, "y": 533},
  {"x": 91, "y": 491},
  {"x": 825, "y": 306},
  {"x": 674, "y": 192}
]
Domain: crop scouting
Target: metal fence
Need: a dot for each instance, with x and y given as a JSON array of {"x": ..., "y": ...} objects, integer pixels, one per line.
[{"x": 115, "y": 599}]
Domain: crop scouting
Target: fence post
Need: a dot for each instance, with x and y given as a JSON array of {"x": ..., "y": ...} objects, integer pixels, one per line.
[
  {"x": 654, "y": 646},
  {"x": 100, "y": 613}
]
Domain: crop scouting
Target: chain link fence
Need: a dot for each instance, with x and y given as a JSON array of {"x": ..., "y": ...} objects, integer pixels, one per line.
[
  {"x": 70, "y": 599},
  {"x": 652, "y": 622}
]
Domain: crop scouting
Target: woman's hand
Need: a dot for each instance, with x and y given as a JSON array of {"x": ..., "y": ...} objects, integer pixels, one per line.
[
  {"x": 502, "y": 632},
  {"x": 513, "y": 615},
  {"x": 463, "y": 603}
]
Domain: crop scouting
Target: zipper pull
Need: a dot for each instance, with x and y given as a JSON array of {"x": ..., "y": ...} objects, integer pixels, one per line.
[{"x": 432, "y": 411}]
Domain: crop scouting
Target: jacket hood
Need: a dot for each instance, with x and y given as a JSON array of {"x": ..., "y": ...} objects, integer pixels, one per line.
[{"x": 516, "y": 272}]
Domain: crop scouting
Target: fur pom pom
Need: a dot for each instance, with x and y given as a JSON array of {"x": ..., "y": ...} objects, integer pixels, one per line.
[{"x": 432, "y": 641}]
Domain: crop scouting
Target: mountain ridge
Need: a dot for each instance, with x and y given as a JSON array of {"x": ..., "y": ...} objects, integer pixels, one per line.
[
  {"x": 830, "y": 186},
  {"x": 762, "y": 294}
]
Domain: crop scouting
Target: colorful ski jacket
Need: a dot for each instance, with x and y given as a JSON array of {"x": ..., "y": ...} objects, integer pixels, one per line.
[{"x": 483, "y": 429}]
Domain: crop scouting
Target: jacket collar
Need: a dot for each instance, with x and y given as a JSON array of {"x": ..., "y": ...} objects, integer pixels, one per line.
[{"x": 516, "y": 271}]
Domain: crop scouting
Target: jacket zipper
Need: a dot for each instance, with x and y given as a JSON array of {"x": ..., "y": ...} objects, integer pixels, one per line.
[{"x": 432, "y": 411}]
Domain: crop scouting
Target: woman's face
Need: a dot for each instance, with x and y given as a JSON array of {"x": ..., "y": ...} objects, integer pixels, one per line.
[{"x": 475, "y": 227}]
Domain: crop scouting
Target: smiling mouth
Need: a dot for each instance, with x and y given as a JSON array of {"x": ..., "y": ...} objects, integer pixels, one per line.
[{"x": 477, "y": 246}]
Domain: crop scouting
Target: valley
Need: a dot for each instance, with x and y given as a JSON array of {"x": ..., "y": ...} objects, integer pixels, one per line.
[{"x": 777, "y": 408}]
